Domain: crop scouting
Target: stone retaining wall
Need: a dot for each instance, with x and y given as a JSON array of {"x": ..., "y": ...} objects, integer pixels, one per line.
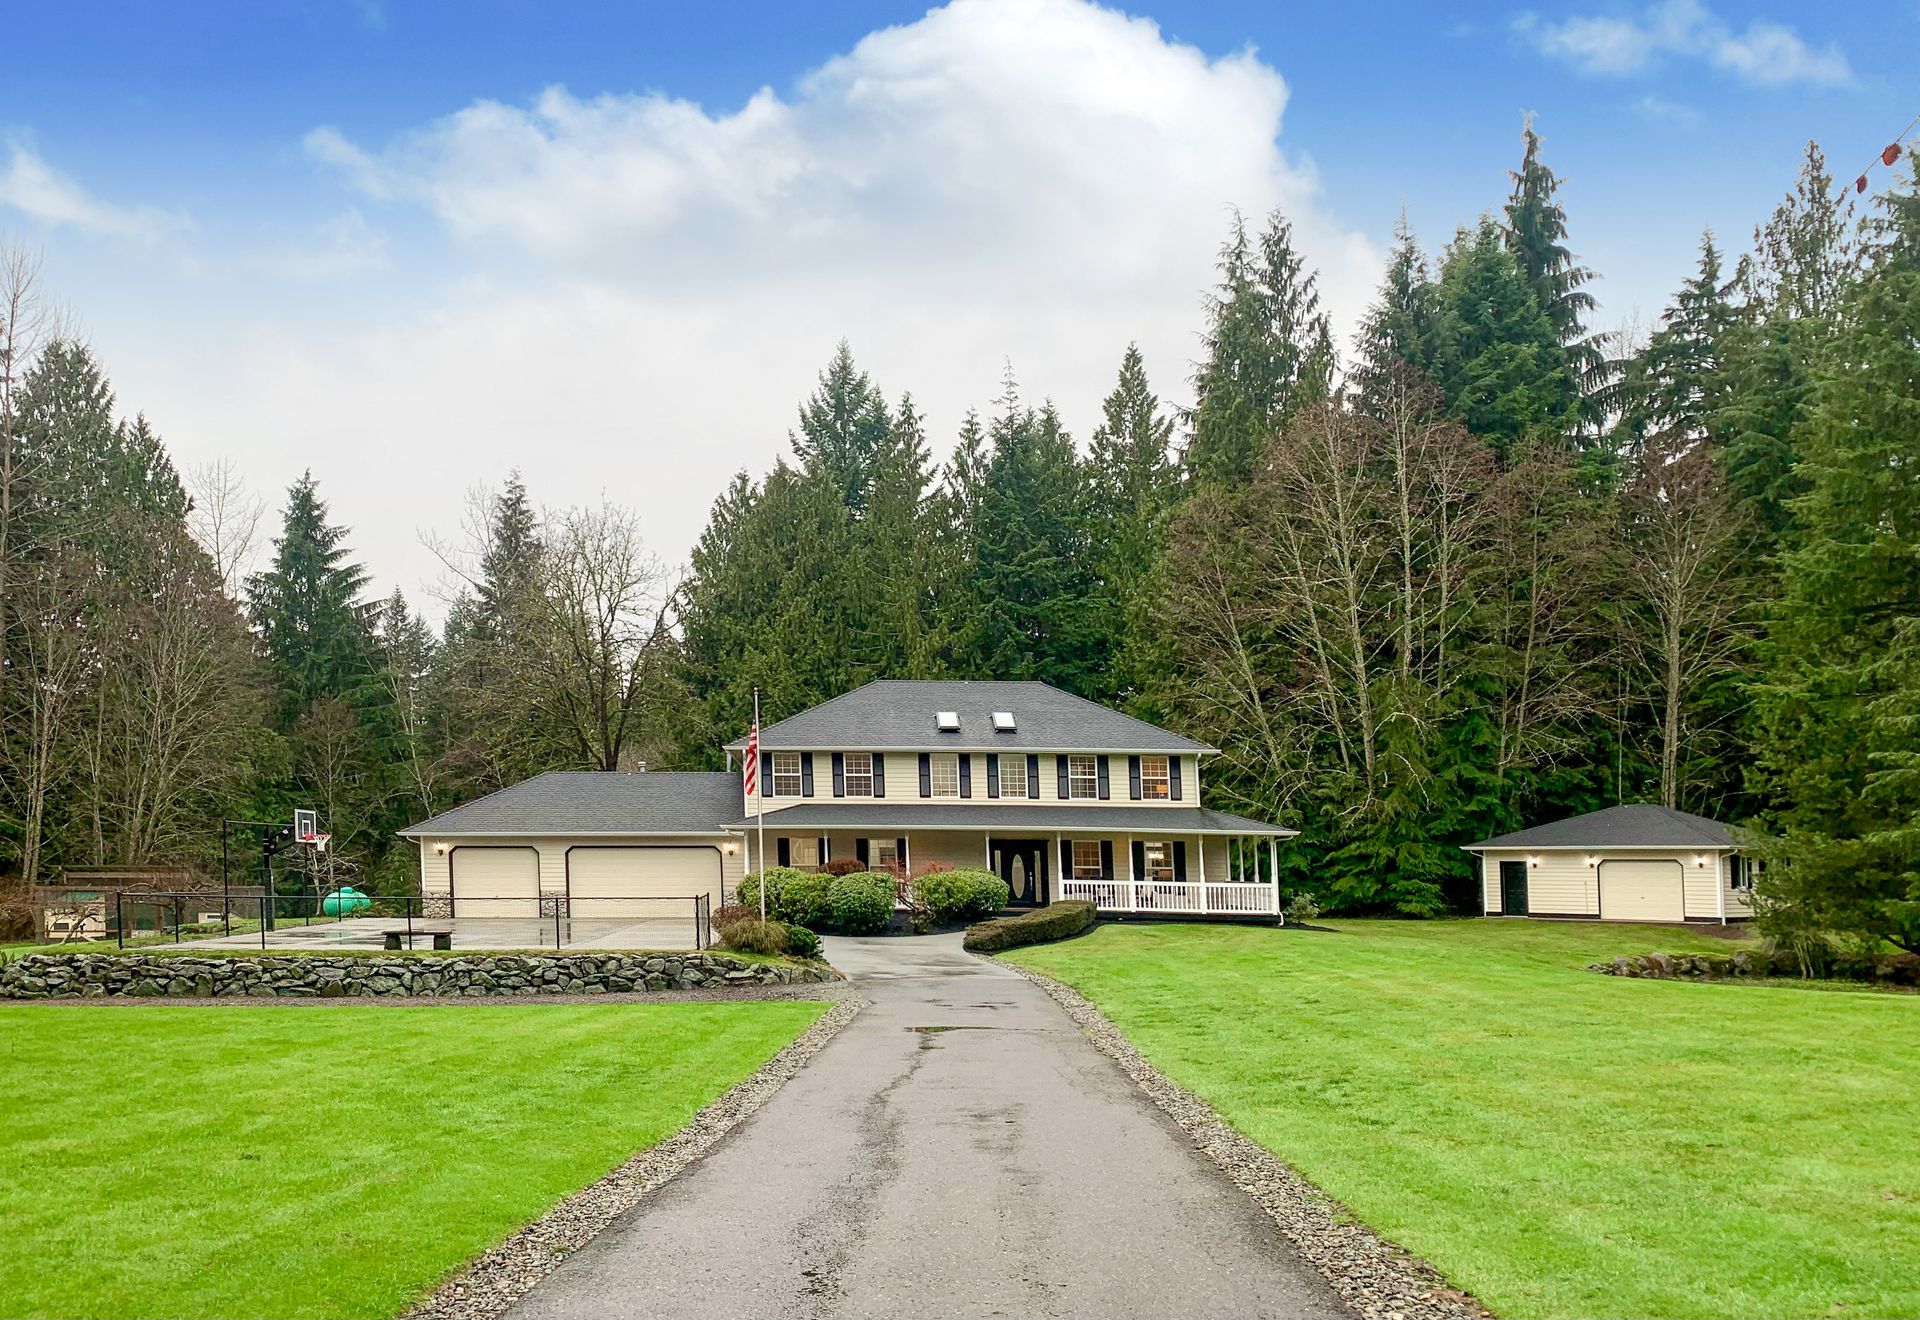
[
  {"x": 327, "y": 976},
  {"x": 1891, "y": 969}
]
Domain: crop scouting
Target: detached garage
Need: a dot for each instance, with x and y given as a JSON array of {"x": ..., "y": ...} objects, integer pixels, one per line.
[{"x": 1637, "y": 862}]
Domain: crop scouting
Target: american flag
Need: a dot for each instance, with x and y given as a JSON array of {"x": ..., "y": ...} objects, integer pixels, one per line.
[{"x": 750, "y": 768}]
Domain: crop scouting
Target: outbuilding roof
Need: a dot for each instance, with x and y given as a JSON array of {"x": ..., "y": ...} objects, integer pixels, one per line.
[
  {"x": 1633, "y": 825},
  {"x": 573, "y": 802},
  {"x": 891, "y": 714},
  {"x": 904, "y": 818}
]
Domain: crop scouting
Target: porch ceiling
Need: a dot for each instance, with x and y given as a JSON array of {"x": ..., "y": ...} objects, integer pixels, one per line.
[{"x": 987, "y": 817}]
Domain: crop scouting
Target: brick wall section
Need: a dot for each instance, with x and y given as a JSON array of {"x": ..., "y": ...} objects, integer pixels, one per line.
[{"x": 320, "y": 976}]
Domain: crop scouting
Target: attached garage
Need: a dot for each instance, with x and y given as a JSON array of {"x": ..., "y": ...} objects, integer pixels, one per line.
[
  {"x": 636, "y": 882},
  {"x": 494, "y": 881},
  {"x": 1643, "y": 889}
]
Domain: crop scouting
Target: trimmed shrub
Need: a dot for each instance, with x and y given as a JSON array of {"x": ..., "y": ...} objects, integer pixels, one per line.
[
  {"x": 844, "y": 866},
  {"x": 754, "y": 936},
  {"x": 776, "y": 879},
  {"x": 861, "y": 903},
  {"x": 1301, "y": 909},
  {"x": 1061, "y": 921},
  {"x": 960, "y": 895},
  {"x": 801, "y": 942},
  {"x": 804, "y": 901}
]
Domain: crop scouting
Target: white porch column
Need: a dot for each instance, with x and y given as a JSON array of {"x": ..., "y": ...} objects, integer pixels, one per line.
[
  {"x": 1202, "y": 849},
  {"x": 1273, "y": 856}
]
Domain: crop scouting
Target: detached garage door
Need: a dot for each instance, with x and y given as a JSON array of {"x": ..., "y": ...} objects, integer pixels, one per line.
[
  {"x": 495, "y": 882},
  {"x": 632, "y": 884},
  {"x": 1642, "y": 891}
]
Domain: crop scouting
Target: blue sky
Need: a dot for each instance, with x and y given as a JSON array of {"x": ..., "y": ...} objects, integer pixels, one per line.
[{"x": 373, "y": 237}]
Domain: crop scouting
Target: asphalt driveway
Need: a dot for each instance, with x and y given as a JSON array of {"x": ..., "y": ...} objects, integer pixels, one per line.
[{"x": 960, "y": 1149}]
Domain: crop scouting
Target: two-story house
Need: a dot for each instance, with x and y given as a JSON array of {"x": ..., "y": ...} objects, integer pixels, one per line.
[{"x": 1061, "y": 797}]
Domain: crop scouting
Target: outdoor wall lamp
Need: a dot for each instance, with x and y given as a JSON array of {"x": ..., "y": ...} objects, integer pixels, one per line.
[
  {"x": 730, "y": 848},
  {"x": 1592, "y": 862},
  {"x": 1534, "y": 862},
  {"x": 440, "y": 847},
  {"x": 1700, "y": 860}
]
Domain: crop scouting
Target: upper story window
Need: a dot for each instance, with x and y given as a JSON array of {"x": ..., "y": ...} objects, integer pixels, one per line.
[
  {"x": 786, "y": 774},
  {"x": 1083, "y": 777},
  {"x": 943, "y": 774},
  {"x": 1013, "y": 776},
  {"x": 1156, "y": 860},
  {"x": 858, "y": 773},
  {"x": 1156, "y": 780}
]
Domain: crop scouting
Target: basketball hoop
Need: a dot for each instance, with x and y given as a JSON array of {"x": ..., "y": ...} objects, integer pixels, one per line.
[
  {"x": 317, "y": 842},
  {"x": 306, "y": 829}
]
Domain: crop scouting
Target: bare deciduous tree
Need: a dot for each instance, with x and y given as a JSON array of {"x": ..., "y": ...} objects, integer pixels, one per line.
[{"x": 225, "y": 519}]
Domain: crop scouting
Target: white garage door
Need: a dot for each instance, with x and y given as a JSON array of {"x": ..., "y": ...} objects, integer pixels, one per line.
[
  {"x": 635, "y": 883},
  {"x": 495, "y": 882},
  {"x": 1642, "y": 891}
]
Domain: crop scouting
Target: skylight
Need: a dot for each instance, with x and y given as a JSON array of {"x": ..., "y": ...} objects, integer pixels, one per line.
[
  {"x": 948, "y": 721},
  {"x": 1003, "y": 721}
]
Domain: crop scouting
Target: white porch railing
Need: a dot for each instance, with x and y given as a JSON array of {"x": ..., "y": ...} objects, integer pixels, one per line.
[{"x": 1196, "y": 896}]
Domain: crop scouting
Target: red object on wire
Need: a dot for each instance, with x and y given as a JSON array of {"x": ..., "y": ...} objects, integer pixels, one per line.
[
  {"x": 1860, "y": 184},
  {"x": 1891, "y": 154}
]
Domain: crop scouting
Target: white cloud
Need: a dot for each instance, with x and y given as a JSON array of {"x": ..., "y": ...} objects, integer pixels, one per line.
[
  {"x": 632, "y": 293},
  {"x": 35, "y": 188},
  {"x": 1767, "y": 54}
]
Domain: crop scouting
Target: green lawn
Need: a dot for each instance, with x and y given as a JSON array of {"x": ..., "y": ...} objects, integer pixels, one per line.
[
  {"x": 324, "y": 1161},
  {"x": 1557, "y": 1142}
]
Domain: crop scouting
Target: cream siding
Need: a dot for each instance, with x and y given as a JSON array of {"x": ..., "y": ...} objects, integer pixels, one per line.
[
  {"x": 903, "y": 784},
  {"x": 1562, "y": 884}
]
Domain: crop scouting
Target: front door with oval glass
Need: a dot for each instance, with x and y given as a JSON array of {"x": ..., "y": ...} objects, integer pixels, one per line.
[{"x": 1022, "y": 864}]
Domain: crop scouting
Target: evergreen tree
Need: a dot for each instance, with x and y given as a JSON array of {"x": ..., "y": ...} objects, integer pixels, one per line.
[
  {"x": 1839, "y": 709},
  {"x": 1134, "y": 483},
  {"x": 1398, "y": 331},
  {"x": 1497, "y": 356},
  {"x": 844, "y": 428},
  {"x": 307, "y": 610},
  {"x": 509, "y": 562},
  {"x": 1676, "y": 393},
  {"x": 1269, "y": 350},
  {"x": 1536, "y": 231}
]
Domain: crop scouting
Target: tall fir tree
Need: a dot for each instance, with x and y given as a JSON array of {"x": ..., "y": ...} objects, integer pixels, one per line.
[
  {"x": 1397, "y": 333},
  {"x": 1134, "y": 483},
  {"x": 1536, "y": 229},
  {"x": 844, "y": 427},
  {"x": 307, "y": 609},
  {"x": 1269, "y": 350},
  {"x": 1675, "y": 391}
]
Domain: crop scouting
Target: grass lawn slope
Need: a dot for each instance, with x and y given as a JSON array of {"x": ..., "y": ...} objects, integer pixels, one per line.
[
  {"x": 337, "y": 1161},
  {"x": 1559, "y": 1143}
]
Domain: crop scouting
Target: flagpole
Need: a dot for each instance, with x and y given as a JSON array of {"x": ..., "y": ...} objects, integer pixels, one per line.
[{"x": 760, "y": 805}]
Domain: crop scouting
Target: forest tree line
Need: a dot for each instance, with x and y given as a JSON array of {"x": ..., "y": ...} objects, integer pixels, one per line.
[{"x": 1487, "y": 567}]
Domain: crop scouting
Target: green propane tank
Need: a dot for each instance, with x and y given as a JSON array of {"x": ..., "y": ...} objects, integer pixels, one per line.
[{"x": 344, "y": 901}]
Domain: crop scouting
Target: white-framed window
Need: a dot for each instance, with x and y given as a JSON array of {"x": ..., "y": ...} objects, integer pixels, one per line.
[
  {"x": 943, "y": 774},
  {"x": 803, "y": 852},
  {"x": 1156, "y": 860},
  {"x": 786, "y": 774},
  {"x": 1013, "y": 776},
  {"x": 1086, "y": 860},
  {"x": 1156, "y": 779},
  {"x": 1745, "y": 870},
  {"x": 883, "y": 853},
  {"x": 857, "y": 771},
  {"x": 1083, "y": 777}
]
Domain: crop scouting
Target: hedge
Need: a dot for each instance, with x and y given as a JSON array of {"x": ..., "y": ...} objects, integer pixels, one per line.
[
  {"x": 861, "y": 903},
  {"x": 1062, "y": 921},
  {"x": 964, "y": 895}
]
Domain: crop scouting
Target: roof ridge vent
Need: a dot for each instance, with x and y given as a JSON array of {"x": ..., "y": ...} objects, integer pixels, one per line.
[
  {"x": 947, "y": 721},
  {"x": 1003, "y": 721}
]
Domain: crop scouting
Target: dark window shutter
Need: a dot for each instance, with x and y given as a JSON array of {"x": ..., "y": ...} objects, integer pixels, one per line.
[
  {"x": 1100, "y": 777},
  {"x": 993, "y": 774},
  {"x": 900, "y": 853},
  {"x": 1106, "y": 858},
  {"x": 1139, "y": 860},
  {"x": 1066, "y": 859},
  {"x": 766, "y": 774},
  {"x": 860, "y": 851},
  {"x": 1173, "y": 777},
  {"x": 926, "y": 775},
  {"x": 839, "y": 774},
  {"x": 823, "y": 846},
  {"x": 786, "y": 851},
  {"x": 879, "y": 775},
  {"x": 966, "y": 774},
  {"x": 1033, "y": 775},
  {"x": 1060, "y": 764},
  {"x": 1133, "y": 778},
  {"x": 1180, "y": 861},
  {"x": 806, "y": 774}
]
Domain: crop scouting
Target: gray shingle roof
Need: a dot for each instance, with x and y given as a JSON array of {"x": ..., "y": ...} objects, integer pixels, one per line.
[
  {"x": 903, "y": 817},
  {"x": 891, "y": 714},
  {"x": 599, "y": 802},
  {"x": 1635, "y": 825}
]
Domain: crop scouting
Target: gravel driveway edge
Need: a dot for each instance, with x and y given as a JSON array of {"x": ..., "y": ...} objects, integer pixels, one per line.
[
  {"x": 1376, "y": 1278},
  {"x": 502, "y": 1275}
]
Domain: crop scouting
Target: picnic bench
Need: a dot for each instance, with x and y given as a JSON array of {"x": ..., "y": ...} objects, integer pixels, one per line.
[{"x": 442, "y": 932}]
